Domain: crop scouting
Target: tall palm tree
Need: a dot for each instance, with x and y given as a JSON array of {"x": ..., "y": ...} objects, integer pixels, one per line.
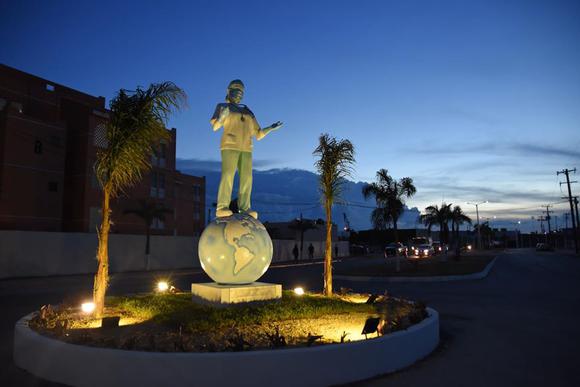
[
  {"x": 390, "y": 197},
  {"x": 148, "y": 211},
  {"x": 438, "y": 216},
  {"x": 335, "y": 164},
  {"x": 136, "y": 123},
  {"x": 458, "y": 217}
]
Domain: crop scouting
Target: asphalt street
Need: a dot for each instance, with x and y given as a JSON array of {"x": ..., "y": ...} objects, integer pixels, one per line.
[{"x": 520, "y": 326}]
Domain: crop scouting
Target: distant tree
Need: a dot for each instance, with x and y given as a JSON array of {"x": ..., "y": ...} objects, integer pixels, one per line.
[
  {"x": 136, "y": 124},
  {"x": 302, "y": 225},
  {"x": 335, "y": 163},
  {"x": 458, "y": 217},
  {"x": 390, "y": 197},
  {"x": 148, "y": 211},
  {"x": 486, "y": 232},
  {"x": 380, "y": 218},
  {"x": 438, "y": 216}
]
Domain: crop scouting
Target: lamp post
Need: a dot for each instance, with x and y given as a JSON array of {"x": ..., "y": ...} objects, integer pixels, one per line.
[
  {"x": 476, "y": 204},
  {"x": 517, "y": 224}
]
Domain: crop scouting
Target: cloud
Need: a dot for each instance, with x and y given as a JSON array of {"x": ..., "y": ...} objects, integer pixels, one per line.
[
  {"x": 505, "y": 149},
  {"x": 495, "y": 195},
  {"x": 546, "y": 150}
]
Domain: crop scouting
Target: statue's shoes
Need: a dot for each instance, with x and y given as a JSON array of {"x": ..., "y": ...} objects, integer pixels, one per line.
[
  {"x": 223, "y": 212},
  {"x": 252, "y": 213}
]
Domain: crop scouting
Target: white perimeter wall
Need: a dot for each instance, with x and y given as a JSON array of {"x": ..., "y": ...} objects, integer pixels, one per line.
[{"x": 29, "y": 253}]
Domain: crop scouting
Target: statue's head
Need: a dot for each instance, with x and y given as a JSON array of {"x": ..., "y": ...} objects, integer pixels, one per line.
[{"x": 235, "y": 91}]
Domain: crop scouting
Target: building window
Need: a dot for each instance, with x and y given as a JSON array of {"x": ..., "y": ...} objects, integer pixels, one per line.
[
  {"x": 153, "y": 192},
  {"x": 37, "y": 147},
  {"x": 53, "y": 186},
  {"x": 161, "y": 187},
  {"x": 162, "y": 154},
  {"x": 49, "y": 87},
  {"x": 196, "y": 193},
  {"x": 157, "y": 185},
  {"x": 157, "y": 224}
]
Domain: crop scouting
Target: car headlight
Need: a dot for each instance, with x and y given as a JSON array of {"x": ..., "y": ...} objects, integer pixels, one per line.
[
  {"x": 417, "y": 252},
  {"x": 399, "y": 249},
  {"x": 426, "y": 252}
]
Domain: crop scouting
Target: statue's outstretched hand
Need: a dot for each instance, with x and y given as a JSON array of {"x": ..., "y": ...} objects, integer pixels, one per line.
[{"x": 276, "y": 125}]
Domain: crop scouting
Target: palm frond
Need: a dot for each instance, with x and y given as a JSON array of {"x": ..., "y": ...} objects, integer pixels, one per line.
[
  {"x": 137, "y": 123},
  {"x": 334, "y": 165}
]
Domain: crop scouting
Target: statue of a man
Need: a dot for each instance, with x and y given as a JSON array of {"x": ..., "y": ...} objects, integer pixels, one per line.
[{"x": 240, "y": 126}]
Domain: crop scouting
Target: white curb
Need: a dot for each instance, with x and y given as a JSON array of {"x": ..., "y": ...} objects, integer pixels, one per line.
[
  {"x": 440, "y": 278},
  {"x": 324, "y": 365}
]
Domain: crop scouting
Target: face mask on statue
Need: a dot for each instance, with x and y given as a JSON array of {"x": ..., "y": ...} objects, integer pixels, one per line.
[{"x": 235, "y": 91}]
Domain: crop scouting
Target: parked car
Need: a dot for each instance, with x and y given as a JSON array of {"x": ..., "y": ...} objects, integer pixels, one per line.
[
  {"x": 395, "y": 248},
  {"x": 440, "y": 248},
  {"x": 544, "y": 247},
  {"x": 421, "y": 247}
]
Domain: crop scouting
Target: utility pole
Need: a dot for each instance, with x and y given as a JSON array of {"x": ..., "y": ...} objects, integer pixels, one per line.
[
  {"x": 574, "y": 230},
  {"x": 547, "y": 218},
  {"x": 541, "y": 219},
  {"x": 576, "y": 205},
  {"x": 476, "y": 204}
]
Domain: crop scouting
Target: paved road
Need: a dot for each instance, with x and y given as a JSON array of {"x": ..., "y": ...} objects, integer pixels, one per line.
[{"x": 519, "y": 326}]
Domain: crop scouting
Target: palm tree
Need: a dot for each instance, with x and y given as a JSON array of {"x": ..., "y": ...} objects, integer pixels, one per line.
[
  {"x": 458, "y": 217},
  {"x": 136, "y": 123},
  {"x": 335, "y": 163},
  {"x": 436, "y": 216},
  {"x": 390, "y": 197},
  {"x": 149, "y": 211}
]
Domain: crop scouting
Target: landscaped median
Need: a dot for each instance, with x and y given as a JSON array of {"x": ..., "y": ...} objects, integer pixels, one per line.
[
  {"x": 437, "y": 268},
  {"x": 299, "y": 340}
]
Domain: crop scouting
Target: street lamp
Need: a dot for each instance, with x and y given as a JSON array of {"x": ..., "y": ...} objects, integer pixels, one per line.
[{"x": 476, "y": 204}]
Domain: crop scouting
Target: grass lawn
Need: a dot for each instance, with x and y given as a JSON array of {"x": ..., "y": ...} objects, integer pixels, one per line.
[
  {"x": 468, "y": 264},
  {"x": 173, "y": 323}
]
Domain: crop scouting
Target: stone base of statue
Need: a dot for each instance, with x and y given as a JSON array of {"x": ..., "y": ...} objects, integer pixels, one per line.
[
  {"x": 235, "y": 251},
  {"x": 222, "y": 295}
]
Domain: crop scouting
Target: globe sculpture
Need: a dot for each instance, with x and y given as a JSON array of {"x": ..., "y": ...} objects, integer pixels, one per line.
[{"x": 235, "y": 250}]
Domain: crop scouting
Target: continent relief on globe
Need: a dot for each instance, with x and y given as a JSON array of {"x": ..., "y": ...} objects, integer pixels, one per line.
[{"x": 239, "y": 235}]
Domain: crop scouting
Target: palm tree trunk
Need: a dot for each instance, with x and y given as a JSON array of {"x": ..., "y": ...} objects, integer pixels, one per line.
[
  {"x": 147, "y": 245},
  {"x": 328, "y": 251},
  {"x": 147, "y": 241},
  {"x": 102, "y": 277}
]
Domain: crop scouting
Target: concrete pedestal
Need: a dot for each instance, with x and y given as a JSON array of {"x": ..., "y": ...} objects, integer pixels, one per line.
[{"x": 222, "y": 295}]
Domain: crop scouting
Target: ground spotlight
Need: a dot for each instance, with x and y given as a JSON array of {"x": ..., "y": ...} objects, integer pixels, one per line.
[
  {"x": 299, "y": 291},
  {"x": 88, "y": 307},
  {"x": 162, "y": 286}
]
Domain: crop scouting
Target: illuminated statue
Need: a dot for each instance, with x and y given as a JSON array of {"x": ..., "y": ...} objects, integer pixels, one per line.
[{"x": 240, "y": 126}]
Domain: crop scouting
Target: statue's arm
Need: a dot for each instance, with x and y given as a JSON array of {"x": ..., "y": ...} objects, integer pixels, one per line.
[
  {"x": 219, "y": 116},
  {"x": 261, "y": 133}
]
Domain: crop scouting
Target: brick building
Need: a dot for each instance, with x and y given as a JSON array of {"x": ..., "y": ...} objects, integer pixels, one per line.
[{"x": 49, "y": 135}]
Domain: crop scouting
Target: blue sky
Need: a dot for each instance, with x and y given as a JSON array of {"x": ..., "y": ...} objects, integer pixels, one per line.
[{"x": 476, "y": 100}]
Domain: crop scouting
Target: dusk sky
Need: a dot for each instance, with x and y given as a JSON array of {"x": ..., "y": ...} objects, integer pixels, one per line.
[{"x": 475, "y": 100}]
